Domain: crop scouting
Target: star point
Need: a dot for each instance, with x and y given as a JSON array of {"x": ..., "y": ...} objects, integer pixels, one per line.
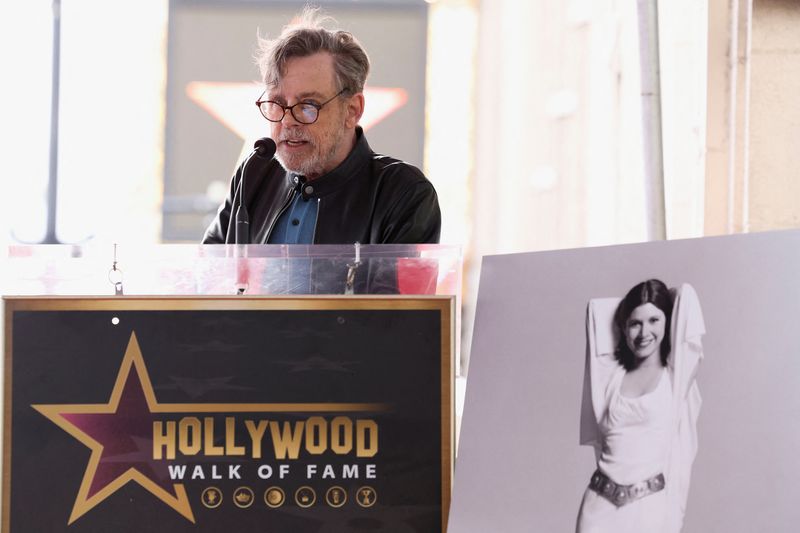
[{"x": 113, "y": 432}]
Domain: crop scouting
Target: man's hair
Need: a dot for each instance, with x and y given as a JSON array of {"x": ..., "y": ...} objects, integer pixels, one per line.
[
  {"x": 652, "y": 291},
  {"x": 306, "y": 36}
]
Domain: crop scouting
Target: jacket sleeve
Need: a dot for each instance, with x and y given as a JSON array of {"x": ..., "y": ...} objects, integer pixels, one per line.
[
  {"x": 414, "y": 217},
  {"x": 217, "y": 232}
]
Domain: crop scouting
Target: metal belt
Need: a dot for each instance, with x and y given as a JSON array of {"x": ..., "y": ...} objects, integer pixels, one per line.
[{"x": 620, "y": 495}]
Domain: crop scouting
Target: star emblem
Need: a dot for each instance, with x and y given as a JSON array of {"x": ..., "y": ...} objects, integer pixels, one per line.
[{"x": 114, "y": 432}]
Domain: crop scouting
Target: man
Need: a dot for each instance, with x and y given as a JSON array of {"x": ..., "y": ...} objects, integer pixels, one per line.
[{"x": 325, "y": 184}]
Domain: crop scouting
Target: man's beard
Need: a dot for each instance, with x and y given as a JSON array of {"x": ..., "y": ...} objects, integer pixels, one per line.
[{"x": 323, "y": 150}]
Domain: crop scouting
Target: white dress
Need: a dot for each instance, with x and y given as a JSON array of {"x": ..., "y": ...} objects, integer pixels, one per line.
[
  {"x": 635, "y": 446},
  {"x": 605, "y": 415}
]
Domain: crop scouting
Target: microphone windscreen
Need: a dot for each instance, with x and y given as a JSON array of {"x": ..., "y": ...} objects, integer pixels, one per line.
[{"x": 265, "y": 147}]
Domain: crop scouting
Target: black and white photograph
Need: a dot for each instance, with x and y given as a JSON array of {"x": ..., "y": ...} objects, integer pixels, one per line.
[
  {"x": 645, "y": 387},
  {"x": 640, "y": 407}
]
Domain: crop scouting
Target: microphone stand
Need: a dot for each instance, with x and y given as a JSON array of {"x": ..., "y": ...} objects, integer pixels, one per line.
[
  {"x": 242, "y": 235},
  {"x": 264, "y": 148}
]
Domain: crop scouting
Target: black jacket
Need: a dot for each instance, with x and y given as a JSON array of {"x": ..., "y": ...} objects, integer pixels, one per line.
[{"x": 369, "y": 198}]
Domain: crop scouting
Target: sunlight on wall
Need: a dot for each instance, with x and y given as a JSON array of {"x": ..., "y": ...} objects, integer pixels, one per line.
[
  {"x": 112, "y": 120},
  {"x": 25, "y": 53},
  {"x": 450, "y": 110},
  {"x": 683, "y": 29},
  {"x": 559, "y": 162}
]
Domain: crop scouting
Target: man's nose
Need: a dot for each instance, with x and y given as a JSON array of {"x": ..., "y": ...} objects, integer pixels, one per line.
[{"x": 288, "y": 118}]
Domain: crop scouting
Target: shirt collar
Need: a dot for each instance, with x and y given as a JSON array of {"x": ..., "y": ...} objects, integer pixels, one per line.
[{"x": 348, "y": 169}]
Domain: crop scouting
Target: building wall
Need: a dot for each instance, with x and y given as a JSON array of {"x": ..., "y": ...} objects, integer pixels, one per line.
[{"x": 774, "y": 181}]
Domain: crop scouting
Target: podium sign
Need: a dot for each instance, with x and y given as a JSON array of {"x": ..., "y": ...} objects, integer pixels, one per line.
[{"x": 194, "y": 414}]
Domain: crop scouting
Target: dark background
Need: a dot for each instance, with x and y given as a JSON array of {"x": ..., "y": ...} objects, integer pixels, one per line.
[{"x": 73, "y": 357}]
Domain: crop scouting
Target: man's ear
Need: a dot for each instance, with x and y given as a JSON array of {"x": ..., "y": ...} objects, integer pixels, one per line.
[{"x": 354, "y": 110}]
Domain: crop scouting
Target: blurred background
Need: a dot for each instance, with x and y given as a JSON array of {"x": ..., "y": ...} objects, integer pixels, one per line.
[{"x": 543, "y": 124}]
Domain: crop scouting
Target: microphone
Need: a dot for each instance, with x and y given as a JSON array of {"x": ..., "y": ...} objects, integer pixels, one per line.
[{"x": 264, "y": 148}]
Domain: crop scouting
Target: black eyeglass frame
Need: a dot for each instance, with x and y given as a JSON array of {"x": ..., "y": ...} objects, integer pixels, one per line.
[{"x": 290, "y": 108}]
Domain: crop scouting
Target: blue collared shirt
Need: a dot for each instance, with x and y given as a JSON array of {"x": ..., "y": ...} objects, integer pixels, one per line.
[{"x": 297, "y": 222}]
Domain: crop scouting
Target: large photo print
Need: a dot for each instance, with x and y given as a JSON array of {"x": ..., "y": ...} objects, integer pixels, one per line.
[{"x": 649, "y": 387}]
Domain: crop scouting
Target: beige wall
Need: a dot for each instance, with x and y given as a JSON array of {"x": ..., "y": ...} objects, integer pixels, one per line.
[
  {"x": 774, "y": 188},
  {"x": 753, "y": 158}
]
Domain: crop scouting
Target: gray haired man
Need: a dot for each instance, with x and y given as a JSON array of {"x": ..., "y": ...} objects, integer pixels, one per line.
[{"x": 325, "y": 185}]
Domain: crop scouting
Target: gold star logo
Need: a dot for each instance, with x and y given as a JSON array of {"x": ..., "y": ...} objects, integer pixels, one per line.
[{"x": 117, "y": 433}]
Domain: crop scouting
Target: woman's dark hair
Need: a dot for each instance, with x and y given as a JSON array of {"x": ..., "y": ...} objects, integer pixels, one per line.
[{"x": 652, "y": 291}]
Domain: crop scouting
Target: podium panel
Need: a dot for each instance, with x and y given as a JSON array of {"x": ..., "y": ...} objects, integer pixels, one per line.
[{"x": 243, "y": 413}]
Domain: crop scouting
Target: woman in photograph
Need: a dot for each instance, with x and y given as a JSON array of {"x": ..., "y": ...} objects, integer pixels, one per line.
[{"x": 640, "y": 408}]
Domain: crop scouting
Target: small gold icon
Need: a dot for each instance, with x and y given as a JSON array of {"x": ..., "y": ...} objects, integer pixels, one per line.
[
  {"x": 274, "y": 497},
  {"x": 366, "y": 496},
  {"x": 243, "y": 497},
  {"x": 211, "y": 497},
  {"x": 336, "y": 496},
  {"x": 305, "y": 496}
]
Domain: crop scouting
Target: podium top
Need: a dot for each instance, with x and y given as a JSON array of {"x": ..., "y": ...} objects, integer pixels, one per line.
[{"x": 188, "y": 269}]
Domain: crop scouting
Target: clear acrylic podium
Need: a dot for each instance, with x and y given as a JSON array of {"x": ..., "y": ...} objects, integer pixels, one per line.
[
  {"x": 94, "y": 270},
  {"x": 220, "y": 270}
]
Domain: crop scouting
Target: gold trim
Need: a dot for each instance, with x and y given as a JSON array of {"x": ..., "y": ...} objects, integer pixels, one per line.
[
  {"x": 8, "y": 308},
  {"x": 225, "y": 303},
  {"x": 448, "y": 406}
]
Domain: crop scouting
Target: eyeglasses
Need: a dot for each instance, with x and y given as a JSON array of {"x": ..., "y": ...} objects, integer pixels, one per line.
[{"x": 303, "y": 112}]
